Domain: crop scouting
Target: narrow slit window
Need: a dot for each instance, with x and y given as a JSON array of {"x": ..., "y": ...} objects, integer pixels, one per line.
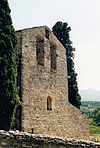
[
  {"x": 40, "y": 52},
  {"x": 53, "y": 56},
  {"x": 49, "y": 103},
  {"x": 47, "y": 33}
]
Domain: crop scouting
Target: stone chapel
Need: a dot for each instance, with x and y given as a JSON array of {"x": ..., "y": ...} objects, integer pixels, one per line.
[{"x": 43, "y": 82}]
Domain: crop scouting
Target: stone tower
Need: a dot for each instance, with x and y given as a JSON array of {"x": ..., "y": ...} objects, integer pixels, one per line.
[{"x": 44, "y": 87}]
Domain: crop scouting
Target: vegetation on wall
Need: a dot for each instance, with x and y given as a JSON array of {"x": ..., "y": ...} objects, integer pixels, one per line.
[
  {"x": 61, "y": 31},
  {"x": 8, "y": 67}
]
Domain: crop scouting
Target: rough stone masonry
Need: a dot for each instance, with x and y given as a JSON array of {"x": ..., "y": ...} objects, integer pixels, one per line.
[
  {"x": 17, "y": 139},
  {"x": 43, "y": 86}
]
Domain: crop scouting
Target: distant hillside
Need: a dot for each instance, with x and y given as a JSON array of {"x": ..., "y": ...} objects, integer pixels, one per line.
[
  {"x": 90, "y": 95},
  {"x": 89, "y": 106}
]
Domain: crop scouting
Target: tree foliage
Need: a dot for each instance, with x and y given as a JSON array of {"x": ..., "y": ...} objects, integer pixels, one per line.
[
  {"x": 96, "y": 117},
  {"x": 88, "y": 107},
  {"x": 61, "y": 31},
  {"x": 8, "y": 67}
]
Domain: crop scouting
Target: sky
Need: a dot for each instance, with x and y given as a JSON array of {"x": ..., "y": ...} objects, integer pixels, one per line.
[{"x": 83, "y": 16}]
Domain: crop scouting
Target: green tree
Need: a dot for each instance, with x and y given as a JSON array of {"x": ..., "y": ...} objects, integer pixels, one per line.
[
  {"x": 61, "y": 31},
  {"x": 8, "y": 67},
  {"x": 96, "y": 117}
]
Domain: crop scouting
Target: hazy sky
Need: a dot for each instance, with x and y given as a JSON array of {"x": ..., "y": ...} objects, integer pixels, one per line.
[{"x": 84, "y": 18}]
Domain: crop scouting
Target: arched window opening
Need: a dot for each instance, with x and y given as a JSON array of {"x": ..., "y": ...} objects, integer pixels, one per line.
[{"x": 49, "y": 103}]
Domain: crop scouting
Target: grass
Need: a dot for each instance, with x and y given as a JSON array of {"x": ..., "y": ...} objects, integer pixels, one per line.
[
  {"x": 95, "y": 137},
  {"x": 95, "y": 133},
  {"x": 88, "y": 107},
  {"x": 94, "y": 130}
]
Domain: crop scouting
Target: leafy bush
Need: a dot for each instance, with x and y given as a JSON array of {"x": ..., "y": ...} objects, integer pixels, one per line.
[
  {"x": 96, "y": 117},
  {"x": 94, "y": 130}
]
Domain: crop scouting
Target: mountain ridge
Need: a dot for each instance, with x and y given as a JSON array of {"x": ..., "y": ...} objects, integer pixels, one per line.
[{"x": 90, "y": 95}]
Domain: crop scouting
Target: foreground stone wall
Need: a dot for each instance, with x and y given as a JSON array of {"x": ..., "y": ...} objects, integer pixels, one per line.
[
  {"x": 44, "y": 75},
  {"x": 25, "y": 140}
]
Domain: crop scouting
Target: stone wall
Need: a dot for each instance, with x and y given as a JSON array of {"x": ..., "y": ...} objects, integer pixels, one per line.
[
  {"x": 25, "y": 140},
  {"x": 44, "y": 75}
]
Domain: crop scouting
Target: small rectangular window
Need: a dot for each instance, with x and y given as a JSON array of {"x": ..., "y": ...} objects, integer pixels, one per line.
[
  {"x": 47, "y": 33},
  {"x": 49, "y": 103},
  {"x": 40, "y": 52},
  {"x": 53, "y": 56}
]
